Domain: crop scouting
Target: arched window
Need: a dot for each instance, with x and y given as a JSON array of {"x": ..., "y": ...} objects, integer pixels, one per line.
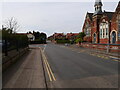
[
  {"x": 94, "y": 37},
  {"x": 107, "y": 33},
  {"x": 87, "y": 29},
  {"x": 100, "y": 33},
  {"x": 104, "y": 30},
  {"x": 113, "y": 37},
  {"x": 119, "y": 29}
]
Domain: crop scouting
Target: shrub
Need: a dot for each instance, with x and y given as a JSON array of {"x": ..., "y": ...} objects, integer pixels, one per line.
[{"x": 62, "y": 41}]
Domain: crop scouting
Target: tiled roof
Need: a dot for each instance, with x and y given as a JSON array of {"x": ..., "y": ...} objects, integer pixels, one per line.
[
  {"x": 58, "y": 34},
  {"x": 90, "y": 15},
  {"x": 21, "y": 33},
  {"x": 118, "y": 6},
  {"x": 109, "y": 14},
  {"x": 72, "y": 34}
]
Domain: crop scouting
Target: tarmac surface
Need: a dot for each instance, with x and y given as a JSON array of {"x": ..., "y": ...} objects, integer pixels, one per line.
[
  {"x": 63, "y": 68},
  {"x": 77, "y": 69}
]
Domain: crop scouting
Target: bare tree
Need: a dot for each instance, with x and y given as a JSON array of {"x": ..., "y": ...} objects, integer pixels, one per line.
[{"x": 12, "y": 24}]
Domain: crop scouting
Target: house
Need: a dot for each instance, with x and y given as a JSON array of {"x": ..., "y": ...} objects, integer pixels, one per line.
[
  {"x": 102, "y": 26},
  {"x": 30, "y": 36},
  {"x": 50, "y": 37},
  {"x": 58, "y": 36},
  {"x": 71, "y": 36}
]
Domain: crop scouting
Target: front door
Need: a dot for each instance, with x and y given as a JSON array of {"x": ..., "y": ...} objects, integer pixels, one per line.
[{"x": 113, "y": 37}]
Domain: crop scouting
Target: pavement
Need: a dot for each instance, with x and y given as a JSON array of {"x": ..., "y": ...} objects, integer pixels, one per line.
[
  {"x": 26, "y": 72},
  {"x": 112, "y": 55}
]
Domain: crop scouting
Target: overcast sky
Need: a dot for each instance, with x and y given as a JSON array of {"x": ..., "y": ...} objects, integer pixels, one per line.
[{"x": 50, "y": 17}]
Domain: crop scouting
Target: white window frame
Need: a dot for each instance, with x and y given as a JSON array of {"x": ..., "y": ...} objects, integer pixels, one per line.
[{"x": 104, "y": 29}]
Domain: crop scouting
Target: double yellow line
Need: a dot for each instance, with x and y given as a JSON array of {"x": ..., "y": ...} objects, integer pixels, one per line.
[{"x": 48, "y": 69}]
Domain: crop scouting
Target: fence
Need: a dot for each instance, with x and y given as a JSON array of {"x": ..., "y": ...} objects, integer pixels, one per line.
[{"x": 13, "y": 42}]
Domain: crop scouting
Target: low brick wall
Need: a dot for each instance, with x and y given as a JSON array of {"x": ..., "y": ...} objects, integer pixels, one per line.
[
  {"x": 12, "y": 57},
  {"x": 105, "y": 47}
]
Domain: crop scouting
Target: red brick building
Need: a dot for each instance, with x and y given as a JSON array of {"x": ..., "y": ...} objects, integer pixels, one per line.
[
  {"x": 71, "y": 36},
  {"x": 102, "y": 26},
  {"x": 58, "y": 36}
]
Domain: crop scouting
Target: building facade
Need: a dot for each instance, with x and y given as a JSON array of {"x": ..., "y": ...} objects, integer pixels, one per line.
[
  {"x": 71, "y": 36},
  {"x": 102, "y": 26}
]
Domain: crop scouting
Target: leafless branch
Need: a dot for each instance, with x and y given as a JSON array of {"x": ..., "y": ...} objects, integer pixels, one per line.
[{"x": 12, "y": 24}]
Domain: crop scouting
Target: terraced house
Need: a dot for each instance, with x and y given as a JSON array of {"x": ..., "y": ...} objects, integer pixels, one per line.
[{"x": 102, "y": 26}]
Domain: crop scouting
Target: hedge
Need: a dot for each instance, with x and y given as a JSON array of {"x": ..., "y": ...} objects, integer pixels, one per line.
[{"x": 62, "y": 41}]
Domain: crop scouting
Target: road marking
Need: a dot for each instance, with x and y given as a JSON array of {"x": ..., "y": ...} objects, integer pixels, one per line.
[
  {"x": 82, "y": 50},
  {"x": 93, "y": 54},
  {"x": 98, "y": 56},
  {"x": 44, "y": 47},
  {"x": 49, "y": 70},
  {"x": 114, "y": 57},
  {"x": 73, "y": 50},
  {"x": 115, "y": 60}
]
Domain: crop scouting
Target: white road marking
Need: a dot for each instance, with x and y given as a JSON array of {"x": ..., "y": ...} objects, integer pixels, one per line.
[{"x": 44, "y": 47}]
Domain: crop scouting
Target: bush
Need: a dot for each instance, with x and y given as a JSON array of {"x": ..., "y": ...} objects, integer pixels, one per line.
[
  {"x": 78, "y": 40},
  {"x": 12, "y": 41},
  {"x": 62, "y": 41}
]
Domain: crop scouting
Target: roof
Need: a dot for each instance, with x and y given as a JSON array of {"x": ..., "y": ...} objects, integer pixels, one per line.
[
  {"x": 109, "y": 14},
  {"x": 72, "y": 34},
  {"x": 98, "y": 2},
  {"x": 118, "y": 7},
  {"x": 21, "y": 33},
  {"x": 58, "y": 34},
  {"x": 90, "y": 15}
]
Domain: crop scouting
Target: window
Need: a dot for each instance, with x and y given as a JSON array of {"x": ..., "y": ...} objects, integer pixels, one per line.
[
  {"x": 107, "y": 32},
  {"x": 100, "y": 33},
  {"x": 87, "y": 29},
  {"x": 104, "y": 30},
  {"x": 103, "y": 33},
  {"x": 119, "y": 29}
]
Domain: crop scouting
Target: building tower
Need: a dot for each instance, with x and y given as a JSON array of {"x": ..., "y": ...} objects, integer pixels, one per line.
[
  {"x": 98, "y": 7},
  {"x": 96, "y": 18}
]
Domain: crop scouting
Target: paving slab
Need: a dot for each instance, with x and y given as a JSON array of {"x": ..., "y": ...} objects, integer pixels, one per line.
[{"x": 26, "y": 72}]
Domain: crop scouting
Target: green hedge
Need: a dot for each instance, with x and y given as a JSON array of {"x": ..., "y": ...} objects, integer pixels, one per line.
[
  {"x": 62, "y": 41},
  {"x": 12, "y": 41}
]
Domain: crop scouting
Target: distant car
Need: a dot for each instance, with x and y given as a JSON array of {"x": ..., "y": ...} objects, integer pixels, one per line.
[{"x": 66, "y": 44}]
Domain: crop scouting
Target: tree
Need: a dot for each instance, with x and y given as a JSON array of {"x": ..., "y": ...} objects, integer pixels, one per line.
[
  {"x": 78, "y": 40},
  {"x": 12, "y": 25},
  {"x": 80, "y": 37},
  {"x": 43, "y": 37},
  {"x": 37, "y": 35}
]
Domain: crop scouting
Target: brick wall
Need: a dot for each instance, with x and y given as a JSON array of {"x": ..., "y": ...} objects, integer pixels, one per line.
[{"x": 112, "y": 48}]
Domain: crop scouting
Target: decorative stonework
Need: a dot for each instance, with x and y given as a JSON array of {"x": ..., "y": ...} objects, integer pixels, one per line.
[{"x": 104, "y": 25}]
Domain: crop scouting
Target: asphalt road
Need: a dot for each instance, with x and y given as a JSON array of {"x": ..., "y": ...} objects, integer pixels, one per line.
[
  {"x": 73, "y": 69},
  {"x": 68, "y": 68}
]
